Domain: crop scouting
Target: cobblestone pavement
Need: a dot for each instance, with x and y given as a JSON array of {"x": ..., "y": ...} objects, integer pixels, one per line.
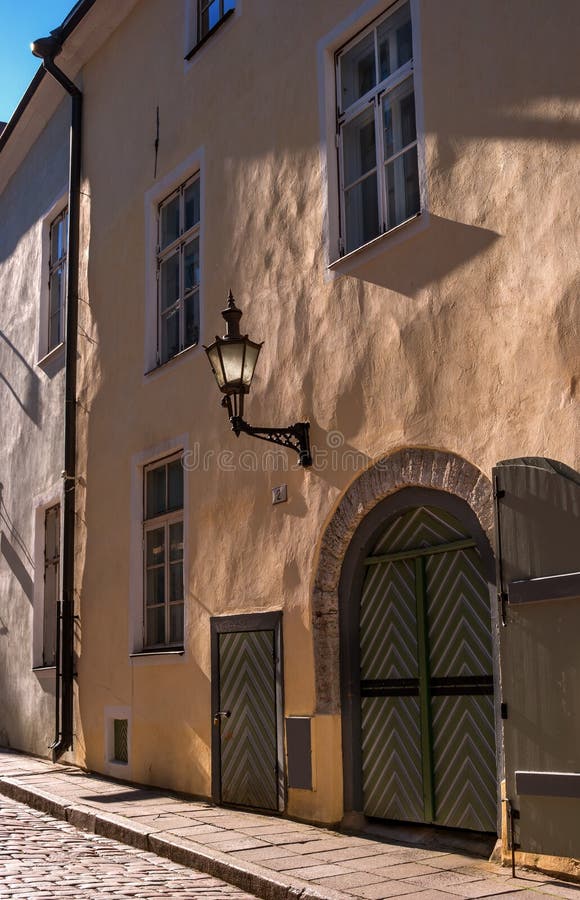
[
  {"x": 42, "y": 857},
  {"x": 269, "y": 856}
]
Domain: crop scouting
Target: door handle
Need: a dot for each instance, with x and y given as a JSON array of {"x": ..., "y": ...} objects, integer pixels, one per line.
[{"x": 222, "y": 714}]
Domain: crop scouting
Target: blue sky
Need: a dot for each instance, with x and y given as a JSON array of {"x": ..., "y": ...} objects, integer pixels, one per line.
[{"x": 21, "y": 21}]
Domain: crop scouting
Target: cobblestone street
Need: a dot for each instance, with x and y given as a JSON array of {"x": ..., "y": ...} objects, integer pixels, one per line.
[{"x": 42, "y": 857}]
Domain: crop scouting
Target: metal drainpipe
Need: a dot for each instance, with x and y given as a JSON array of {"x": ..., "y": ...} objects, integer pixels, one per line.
[{"x": 46, "y": 49}]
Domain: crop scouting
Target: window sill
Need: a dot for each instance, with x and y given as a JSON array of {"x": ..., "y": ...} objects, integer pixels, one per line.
[
  {"x": 384, "y": 242},
  {"x": 44, "y": 671},
  {"x": 158, "y": 657},
  {"x": 210, "y": 34},
  {"x": 56, "y": 355},
  {"x": 169, "y": 363}
]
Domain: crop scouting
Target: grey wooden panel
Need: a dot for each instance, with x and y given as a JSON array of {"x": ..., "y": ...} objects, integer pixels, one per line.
[
  {"x": 299, "y": 747},
  {"x": 554, "y": 587},
  {"x": 539, "y": 518},
  {"x": 548, "y": 784}
]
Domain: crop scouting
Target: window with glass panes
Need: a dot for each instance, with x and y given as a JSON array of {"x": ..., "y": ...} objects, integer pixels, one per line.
[
  {"x": 210, "y": 13},
  {"x": 377, "y": 134},
  {"x": 178, "y": 270},
  {"x": 57, "y": 280},
  {"x": 163, "y": 554},
  {"x": 51, "y": 584}
]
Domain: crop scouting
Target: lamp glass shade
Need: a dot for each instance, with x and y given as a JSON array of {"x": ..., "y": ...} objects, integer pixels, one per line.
[
  {"x": 233, "y": 362},
  {"x": 250, "y": 360},
  {"x": 232, "y": 356},
  {"x": 215, "y": 360}
]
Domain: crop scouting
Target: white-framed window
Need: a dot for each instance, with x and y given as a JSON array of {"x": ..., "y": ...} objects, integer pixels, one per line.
[
  {"x": 178, "y": 270},
  {"x": 376, "y": 129},
  {"x": 51, "y": 583},
  {"x": 163, "y": 542},
  {"x": 57, "y": 270}
]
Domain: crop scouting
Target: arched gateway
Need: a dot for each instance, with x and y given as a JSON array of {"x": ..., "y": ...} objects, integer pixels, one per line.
[{"x": 412, "y": 616}]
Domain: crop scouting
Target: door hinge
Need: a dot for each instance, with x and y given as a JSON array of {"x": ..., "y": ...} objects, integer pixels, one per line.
[{"x": 504, "y": 710}]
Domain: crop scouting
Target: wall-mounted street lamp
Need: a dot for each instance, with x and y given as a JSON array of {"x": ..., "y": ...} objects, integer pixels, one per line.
[{"x": 233, "y": 359}]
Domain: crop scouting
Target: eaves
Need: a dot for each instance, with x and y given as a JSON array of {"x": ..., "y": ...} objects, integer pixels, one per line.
[{"x": 84, "y": 30}]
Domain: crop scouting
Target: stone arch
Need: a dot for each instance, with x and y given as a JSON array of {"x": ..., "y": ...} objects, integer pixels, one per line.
[{"x": 409, "y": 467}]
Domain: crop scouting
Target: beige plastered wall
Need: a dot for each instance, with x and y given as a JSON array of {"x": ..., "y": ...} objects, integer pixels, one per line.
[{"x": 462, "y": 335}]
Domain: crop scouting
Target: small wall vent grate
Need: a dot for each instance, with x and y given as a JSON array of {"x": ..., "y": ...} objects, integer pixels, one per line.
[{"x": 121, "y": 740}]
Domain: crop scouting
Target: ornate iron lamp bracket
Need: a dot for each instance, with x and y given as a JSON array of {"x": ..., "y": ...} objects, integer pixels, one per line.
[{"x": 295, "y": 437}]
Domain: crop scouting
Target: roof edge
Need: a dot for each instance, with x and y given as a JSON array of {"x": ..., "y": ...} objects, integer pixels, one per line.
[{"x": 64, "y": 30}]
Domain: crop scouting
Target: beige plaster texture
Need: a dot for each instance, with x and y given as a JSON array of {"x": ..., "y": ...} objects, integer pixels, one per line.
[{"x": 460, "y": 337}]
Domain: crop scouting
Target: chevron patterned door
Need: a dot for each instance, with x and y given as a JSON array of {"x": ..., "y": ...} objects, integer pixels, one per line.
[
  {"x": 248, "y": 737},
  {"x": 427, "y": 713}
]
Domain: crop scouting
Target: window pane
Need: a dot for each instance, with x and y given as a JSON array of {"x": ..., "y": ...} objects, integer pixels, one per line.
[
  {"x": 56, "y": 292},
  {"x": 57, "y": 240},
  {"x": 191, "y": 200},
  {"x": 176, "y": 581},
  {"x": 156, "y": 626},
  {"x": 169, "y": 222},
  {"x": 52, "y": 533},
  {"x": 51, "y": 587},
  {"x": 176, "y": 541},
  {"x": 395, "y": 39},
  {"x": 229, "y": 4},
  {"x": 170, "y": 335},
  {"x": 156, "y": 501},
  {"x": 362, "y": 213},
  {"x": 210, "y": 16},
  {"x": 402, "y": 187},
  {"x": 169, "y": 281},
  {"x": 176, "y": 623},
  {"x": 191, "y": 265},
  {"x": 399, "y": 118},
  {"x": 175, "y": 476},
  {"x": 54, "y": 332},
  {"x": 357, "y": 70},
  {"x": 156, "y": 547},
  {"x": 359, "y": 149},
  {"x": 191, "y": 319},
  {"x": 155, "y": 586}
]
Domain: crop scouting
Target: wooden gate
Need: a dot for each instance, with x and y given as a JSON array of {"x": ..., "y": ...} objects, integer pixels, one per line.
[{"x": 427, "y": 712}]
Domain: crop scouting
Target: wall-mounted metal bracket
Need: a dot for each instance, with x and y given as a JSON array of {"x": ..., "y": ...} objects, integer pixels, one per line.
[{"x": 296, "y": 437}]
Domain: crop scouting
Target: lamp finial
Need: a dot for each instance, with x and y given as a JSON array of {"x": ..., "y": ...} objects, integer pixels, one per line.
[{"x": 232, "y": 315}]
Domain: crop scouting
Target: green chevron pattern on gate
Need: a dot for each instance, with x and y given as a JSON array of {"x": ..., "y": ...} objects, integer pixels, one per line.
[
  {"x": 248, "y": 736},
  {"x": 427, "y": 713}
]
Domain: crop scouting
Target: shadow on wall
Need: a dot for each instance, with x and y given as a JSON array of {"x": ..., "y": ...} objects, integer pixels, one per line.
[
  {"x": 503, "y": 91},
  {"x": 435, "y": 251},
  {"x": 38, "y": 181},
  {"x": 14, "y": 557},
  {"x": 26, "y": 390}
]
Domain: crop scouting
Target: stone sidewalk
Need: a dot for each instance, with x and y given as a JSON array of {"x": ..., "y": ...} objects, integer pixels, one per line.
[{"x": 271, "y": 857}]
